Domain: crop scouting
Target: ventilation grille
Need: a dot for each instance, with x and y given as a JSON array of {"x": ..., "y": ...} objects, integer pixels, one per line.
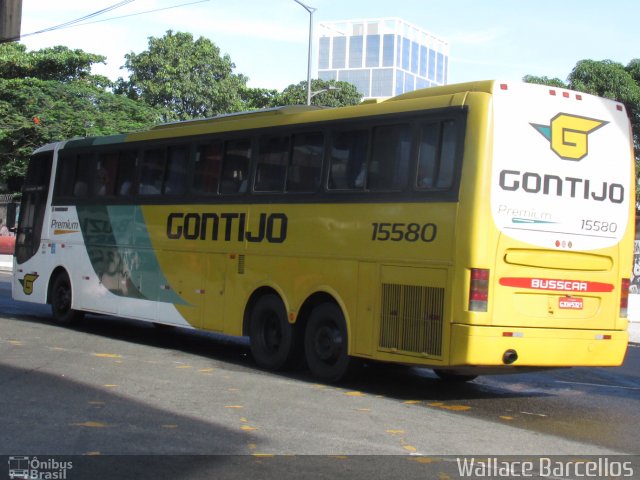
[
  {"x": 241, "y": 264},
  {"x": 412, "y": 318}
]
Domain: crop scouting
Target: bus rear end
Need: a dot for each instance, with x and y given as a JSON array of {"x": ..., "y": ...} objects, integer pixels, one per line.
[{"x": 551, "y": 258}]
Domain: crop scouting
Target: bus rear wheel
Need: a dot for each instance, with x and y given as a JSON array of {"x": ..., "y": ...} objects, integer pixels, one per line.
[
  {"x": 272, "y": 338},
  {"x": 61, "y": 301},
  {"x": 326, "y": 344}
]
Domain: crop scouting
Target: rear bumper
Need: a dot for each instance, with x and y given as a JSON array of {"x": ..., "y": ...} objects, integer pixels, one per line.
[{"x": 537, "y": 347}]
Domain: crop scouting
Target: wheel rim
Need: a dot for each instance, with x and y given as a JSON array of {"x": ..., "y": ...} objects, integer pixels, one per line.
[
  {"x": 328, "y": 343},
  {"x": 63, "y": 299},
  {"x": 271, "y": 334}
]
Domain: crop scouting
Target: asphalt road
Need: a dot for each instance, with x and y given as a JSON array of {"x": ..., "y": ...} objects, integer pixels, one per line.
[{"x": 111, "y": 386}]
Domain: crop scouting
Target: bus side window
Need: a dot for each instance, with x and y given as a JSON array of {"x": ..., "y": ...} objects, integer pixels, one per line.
[
  {"x": 428, "y": 156},
  {"x": 348, "y": 160},
  {"x": 176, "y": 174},
  {"x": 235, "y": 166},
  {"x": 152, "y": 172},
  {"x": 125, "y": 181},
  {"x": 390, "y": 158},
  {"x": 208, "y": 161},
  {"x": 85, "y": 173},
  {"x": 447, "y": 154},
  {"x": 65, "y": 177},
  {"x": 104, "y": 181},
  {"x": 271, "y": 171},
  {"x": 305, "y": 169},
  {"x": 437, "y": 155}
]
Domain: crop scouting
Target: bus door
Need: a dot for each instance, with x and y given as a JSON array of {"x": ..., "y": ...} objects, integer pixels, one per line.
[{"x": 33, "y": 207}]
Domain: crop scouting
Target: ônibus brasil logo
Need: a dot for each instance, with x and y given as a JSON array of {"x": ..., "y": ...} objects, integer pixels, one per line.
[{"x": 568, "y": 134}]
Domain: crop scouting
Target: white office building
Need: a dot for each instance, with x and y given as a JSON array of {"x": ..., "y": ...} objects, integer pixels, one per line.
[{"x": 382, "y": 57}]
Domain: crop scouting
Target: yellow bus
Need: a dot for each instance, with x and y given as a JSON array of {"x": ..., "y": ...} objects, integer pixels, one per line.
[{"x": 475, "y": 228}]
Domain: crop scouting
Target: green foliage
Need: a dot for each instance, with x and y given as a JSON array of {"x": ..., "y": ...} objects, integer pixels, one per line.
[
  {"x": 186, "y": 78},
  {"x": 257, "y": 98},
  {"x": 552, "y": 82},
  {"x": 56, "y": 63},
  {"x": 50, "y": 95},
  {"x": 332, "y": 94}
]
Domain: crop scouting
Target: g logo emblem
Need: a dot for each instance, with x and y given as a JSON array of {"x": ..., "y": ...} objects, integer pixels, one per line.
[
  {"x": 568, "y": 134},
  {"x": 27, "y": 283}
]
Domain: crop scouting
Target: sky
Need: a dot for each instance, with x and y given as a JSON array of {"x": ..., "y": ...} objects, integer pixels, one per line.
[{"x": 268, "y": 39}]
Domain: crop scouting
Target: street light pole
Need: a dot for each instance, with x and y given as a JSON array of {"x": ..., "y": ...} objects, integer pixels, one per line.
[{"x": 310, "y": 10}]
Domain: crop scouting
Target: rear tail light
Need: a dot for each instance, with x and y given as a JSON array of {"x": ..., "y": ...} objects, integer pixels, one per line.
[
  {"x": 479, "y": 290},
  {"x": 624, "y": 297}
]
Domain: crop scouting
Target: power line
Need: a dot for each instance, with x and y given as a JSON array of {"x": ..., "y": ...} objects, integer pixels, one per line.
[
  {"x": 81, "y": 19},
  {"x": 141, "y": 13}
]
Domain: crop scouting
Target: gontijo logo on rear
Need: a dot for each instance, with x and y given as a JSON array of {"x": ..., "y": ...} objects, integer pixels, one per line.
[
  {"x": 569, "y": 134},
  {"x": 561, "y": 168}
]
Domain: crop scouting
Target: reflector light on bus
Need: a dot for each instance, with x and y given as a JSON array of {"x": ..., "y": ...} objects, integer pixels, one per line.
[
  {"x": 624, "y": 297},
  {"x": 603, "y": 337},
  {"x": 504, "y": 86},
  {"x": 512, "y": 334},
  {"x": 479, "y": 290}
]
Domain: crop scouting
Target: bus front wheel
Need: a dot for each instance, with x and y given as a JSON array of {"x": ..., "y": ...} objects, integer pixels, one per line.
[
  {"x": 326, "y": 344},
  {"x": 61, "y": 301},
  {"x": 271, "y": 336}
]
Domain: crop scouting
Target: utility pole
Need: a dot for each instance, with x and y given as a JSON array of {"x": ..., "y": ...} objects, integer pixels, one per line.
[
  {"x": 10, "y": 19},
  {"x": 310, "y": 10}
]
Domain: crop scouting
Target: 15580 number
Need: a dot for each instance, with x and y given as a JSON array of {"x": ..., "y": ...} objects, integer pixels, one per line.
[{"x": 408, "y": 232}]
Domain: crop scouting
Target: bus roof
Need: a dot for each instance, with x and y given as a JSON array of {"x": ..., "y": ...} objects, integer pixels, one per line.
[{"x": 284, "y": 115}]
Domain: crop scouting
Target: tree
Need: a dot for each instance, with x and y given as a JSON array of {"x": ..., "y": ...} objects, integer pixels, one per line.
[
  {"x": 256, "y": 98},
  {"x": 186, "y": 78},
  {"x": 333, "y": 94},
  {"x": 551, "y": 82},
  {"x": 50, "y": 95}
]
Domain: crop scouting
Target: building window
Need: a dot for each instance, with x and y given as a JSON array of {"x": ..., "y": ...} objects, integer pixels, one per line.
[
  {"x": 328, "y": 75},
  {"x": 415, "y": 55},
  {"x": 399, "y": 82},
  {"x": 423, "y": 61},
  {"x": 440, "y": 69},
  {"x": 409, "y": 82},
  {"x": 432, "y": 65},
  {"x": 382, "y": 82},
  {"x": 355, "y": 52},
  {"x": 339, "y": 52},
  {"x": 360, "y": 78},
  {"x": 373, "y": 51},
  {"x": 406, "y": 52},
  {"x": 388, "y": 47},
  {"x": 323, "y": 53}
]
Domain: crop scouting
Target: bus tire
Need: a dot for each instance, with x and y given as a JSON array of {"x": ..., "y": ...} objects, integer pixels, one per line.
[
  {"x": 326, "y": 344},
  {"x": 448, "y": 376},
  {"x": 61, "y": 301},
  {"x": 271, "y": 336}
]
